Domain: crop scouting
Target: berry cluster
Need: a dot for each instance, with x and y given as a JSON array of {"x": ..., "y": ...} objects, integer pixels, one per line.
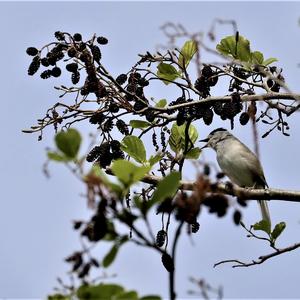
[
  {"x": 105, "y": 153},
  {"x": 217, "y": 203},
  {"x": 78, "y": 52},
  {"x": 207, "y": 79}
]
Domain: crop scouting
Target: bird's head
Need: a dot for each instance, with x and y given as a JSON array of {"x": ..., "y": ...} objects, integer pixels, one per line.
[{"x": 215, "y": 137}]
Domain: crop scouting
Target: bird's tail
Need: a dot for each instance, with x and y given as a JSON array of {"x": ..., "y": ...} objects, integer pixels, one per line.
[{"x": 265, "y": 210}]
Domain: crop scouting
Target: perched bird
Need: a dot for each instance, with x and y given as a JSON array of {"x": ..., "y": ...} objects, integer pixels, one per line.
[{"x": 239, "y": 163}]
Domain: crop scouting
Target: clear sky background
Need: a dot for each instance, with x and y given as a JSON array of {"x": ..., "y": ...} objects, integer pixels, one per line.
[{"x": 36, "y": 212}]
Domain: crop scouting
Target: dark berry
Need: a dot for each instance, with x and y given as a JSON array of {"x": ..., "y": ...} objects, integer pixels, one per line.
[
  {"x": 97, "y": 118},
  {"x": 34, "y": 66},
  {"x": 46, "y": 74},
  {"x": 121, "y": 79},
  {"x": 77, "y": 37},
  {"x": 72, "y": 52},
  {"x": 181, "y": 118},
  {"x": 122, "y": 127},
  {"x": 206, "y": 170},
  {"x": 72, "y": 67},
  {"x": 102, "y": 40},
  {"x": 167, "y": 262},
  {"x": 59, "y": 35},
  {"x": 206, "y": 71},
  {"x": 160, "y": 238},
  {"x": 244, "y": 118},
  {"x": 118, "y": 154},
  {"x": 143, "y": 82},
  {"x": 150, "y": 115},
  {"x": 108, "y": 125},
  {"x": 237, "y": 217},
  {"x": 96, "y": 53},
  {"x": 208, "y": 116},
  {"x": 195, "y": 227},
  {"x": 235, "y": 97},
  {"x": 113, "y": 107},
  {"x": 56, "y": 72},
  {"x": 115, "y": 145},
  {"x": 139, "y": 105},
  {"x": 213, "y": 80},
  {"x": 93, "y": 154},
  {"x": 45, "y": 62},
  {"x": 75, "y": 77},
  {"x": 218, "y": 107},
  {"x": 32, "y": 51}
]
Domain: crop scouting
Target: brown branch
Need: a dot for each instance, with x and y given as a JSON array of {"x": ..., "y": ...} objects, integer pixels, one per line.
[
  {"x": 244, "y": 98},
  {"x": 260, "y": 260},
  {"x": 234, "y": 190}
]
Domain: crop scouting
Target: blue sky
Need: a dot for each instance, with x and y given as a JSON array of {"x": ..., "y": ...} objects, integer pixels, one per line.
[{"x": 36, "y": 212}]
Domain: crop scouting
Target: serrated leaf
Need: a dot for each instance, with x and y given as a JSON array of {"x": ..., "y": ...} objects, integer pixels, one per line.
[
  {"x": 130, "y": 295},
  {"x": 57, "y": 156},
  {"x": 166, "y": 188},
  {"x": 68, "y": 142},
  {"x": 257, "y": 58},
  {"x": 167, "y": 72},
  {"x": 278, "y": 229},
  {"x": 139, "y": 124},
  {"x": 269, "y": 61},
  {"x": 134, "y": 146},
  {"x": 127, "y": 172},
  {"x": 193, "y": 153},
  {"x": 186, "y": 53},
  {"x": 110, "y": 256},
  {"x": 263, "y": 225},
  {"x": 161, "y": 103},
  {"x": 238, "y": 50},
  {"x": 177, "y": 138}
]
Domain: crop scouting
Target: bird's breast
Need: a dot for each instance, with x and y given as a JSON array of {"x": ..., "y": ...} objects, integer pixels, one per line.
[{"x": 234, "y": 164}]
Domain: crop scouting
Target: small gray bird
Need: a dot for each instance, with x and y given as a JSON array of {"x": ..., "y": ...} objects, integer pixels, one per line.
[{"x": 238, "y": 162}]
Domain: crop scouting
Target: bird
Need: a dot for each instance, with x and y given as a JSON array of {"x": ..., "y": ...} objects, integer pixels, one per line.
[{"x": 238, "y": 163}]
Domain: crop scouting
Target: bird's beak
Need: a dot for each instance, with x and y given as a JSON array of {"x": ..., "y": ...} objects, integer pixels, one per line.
[{"x": 204, "y": 141}]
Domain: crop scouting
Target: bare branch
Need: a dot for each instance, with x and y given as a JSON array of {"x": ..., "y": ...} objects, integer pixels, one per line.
[{"x": 260, "y": 260}]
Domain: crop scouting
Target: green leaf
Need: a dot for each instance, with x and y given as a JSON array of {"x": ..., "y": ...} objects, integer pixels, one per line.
[
  {"x": 101, "y": 291},
  {"x": 257, "y": 58},
  {"x": 150, "y": 297},
  {"x": 263, "y": 225},
  {"x": 57, "y": 156},
  {"x": 269, "y": 61},
  {"x": 110, "y": 256},
  {"x": 130, "y": 295},
  {"x": 193, "y": 153},
  {"x": 139, "y": 124},
  {"x": 177, "y": 137},
  {"x": 239, "y": 50},
  {"x": 167, "y": 72},
  {"x": 278, "y": 229},
  {"x": 155, "y": 159},
  {"x": 59, "y": 297},
  {"x": 166, "y": 188},
  {"x": 186, "y": 53},
  {"x": 161, "y": 103},
  {"x": 134, "y": 146},
  {"x": 68, "y": 142},
  {"x": 127, "y": 172}
]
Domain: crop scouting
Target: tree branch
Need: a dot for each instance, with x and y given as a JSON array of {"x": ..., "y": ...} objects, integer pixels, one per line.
[
  {"x": 260, "y": 260},
  {"x": 234, "y": 190}
]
